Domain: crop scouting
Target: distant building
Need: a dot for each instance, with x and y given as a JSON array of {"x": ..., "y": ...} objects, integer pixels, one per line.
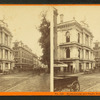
[
  {"x": 73, "y": 51},
  {"x": 6, "y": 53},
  {"x": 24, "y": 58},
  {"x": 35, "y": 61},
  {"x": 97, "y": 53}
]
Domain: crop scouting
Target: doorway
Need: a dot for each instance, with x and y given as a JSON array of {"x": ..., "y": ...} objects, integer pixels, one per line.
[{"x": 80, "y": 67}]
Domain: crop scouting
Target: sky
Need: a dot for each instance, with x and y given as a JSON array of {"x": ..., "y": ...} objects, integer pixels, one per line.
[
  {"x": 22, "y": 22},
  {"x": 89, "y": 14}
]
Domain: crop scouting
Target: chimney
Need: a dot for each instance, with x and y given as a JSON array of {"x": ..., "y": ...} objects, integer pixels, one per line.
[{"x": 61, "y": 18}]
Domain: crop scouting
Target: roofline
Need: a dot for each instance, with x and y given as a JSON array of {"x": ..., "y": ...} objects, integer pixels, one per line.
[{"x": 74, "y": 21}]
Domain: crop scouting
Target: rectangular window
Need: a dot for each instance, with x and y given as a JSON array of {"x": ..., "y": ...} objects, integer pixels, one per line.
[
  {"x": 67, "y": 53},
  {"x": 78, "y": 38},
  {"x": 67, "y": 37},
  {"x": 6, "y": 39}
]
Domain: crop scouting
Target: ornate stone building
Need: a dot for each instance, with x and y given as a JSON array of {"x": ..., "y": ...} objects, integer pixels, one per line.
[
  {"x": 73, "y": 46},
  {"x": 6, "y": 53}
]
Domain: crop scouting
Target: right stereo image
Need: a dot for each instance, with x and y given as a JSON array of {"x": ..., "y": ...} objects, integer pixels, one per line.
[{"x": 76, "y": 48}]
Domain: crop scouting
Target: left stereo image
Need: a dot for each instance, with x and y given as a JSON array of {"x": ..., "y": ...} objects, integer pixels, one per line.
[{"x": 25, "y": 48}]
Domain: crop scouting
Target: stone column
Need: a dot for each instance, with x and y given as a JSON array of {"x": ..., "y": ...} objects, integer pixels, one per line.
[
  {"x": 77, "y": 65},
  {"x": 8, "y": 55},
  {"x": 74, "y": 67},
  {"x": 61, "y": 69},
  {"x": 76, "y": 52},
  {"x": 89, "y": 65},
  {"x": 84, "y": 38},
  {"x": 8, "y": 65},
  {"x": 84, "y": 53}
]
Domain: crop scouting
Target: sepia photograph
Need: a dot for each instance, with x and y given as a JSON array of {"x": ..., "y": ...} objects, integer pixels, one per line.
[
  {"x": 76, "y": 48},
  {"x": 24, "y": 48}
]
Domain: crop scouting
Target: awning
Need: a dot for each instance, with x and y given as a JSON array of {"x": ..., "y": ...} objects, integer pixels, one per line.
[{"x": 60, "y": 65}]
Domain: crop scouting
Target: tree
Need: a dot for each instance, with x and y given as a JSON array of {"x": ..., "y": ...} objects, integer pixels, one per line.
[{"x": 44, "y": 41}]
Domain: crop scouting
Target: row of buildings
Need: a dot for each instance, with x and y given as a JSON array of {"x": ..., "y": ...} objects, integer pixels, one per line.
[
  {"x": 19, "y": 56},
  {"x": 73, "y": 46},
  {"x": 23, "y": 56}
]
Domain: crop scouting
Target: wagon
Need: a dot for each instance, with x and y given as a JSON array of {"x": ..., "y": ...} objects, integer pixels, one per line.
[{"x": 70, "y": 82}]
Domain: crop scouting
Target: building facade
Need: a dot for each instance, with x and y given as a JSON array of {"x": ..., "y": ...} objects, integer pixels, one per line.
[
  {"x": 74, "y": 50},
  {"x": 23, "y": 56},
  {"x": 6, "y": 53},
  {"x": 35, "y": 61},
  {"x": 97, "y": 54}
]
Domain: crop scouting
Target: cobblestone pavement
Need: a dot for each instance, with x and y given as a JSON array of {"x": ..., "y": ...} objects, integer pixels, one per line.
[
  {"x": 88, "y": 83},
  {"x": 24, "y": 82}
]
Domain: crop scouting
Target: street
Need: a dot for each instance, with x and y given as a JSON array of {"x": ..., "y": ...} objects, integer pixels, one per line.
[
  {"x": 29, "y": 82},
  {"x": 24, "y": 82},
  {"x": 88, "y": 82}
]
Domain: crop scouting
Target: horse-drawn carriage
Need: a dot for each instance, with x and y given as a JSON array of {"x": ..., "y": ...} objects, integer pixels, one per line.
[{"x": 70, "y": 82}]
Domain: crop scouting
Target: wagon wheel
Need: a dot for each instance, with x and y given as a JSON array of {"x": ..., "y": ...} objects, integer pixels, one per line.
[{"x": 75, "y": 86}]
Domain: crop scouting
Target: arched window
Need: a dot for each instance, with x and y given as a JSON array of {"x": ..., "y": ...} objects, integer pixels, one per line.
[
  {"x": 79, "y": 53},
  {"x": 67, "y": 53},
  {"x": 78, "y": 38},
  {"x": 67, "y": 36}
]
